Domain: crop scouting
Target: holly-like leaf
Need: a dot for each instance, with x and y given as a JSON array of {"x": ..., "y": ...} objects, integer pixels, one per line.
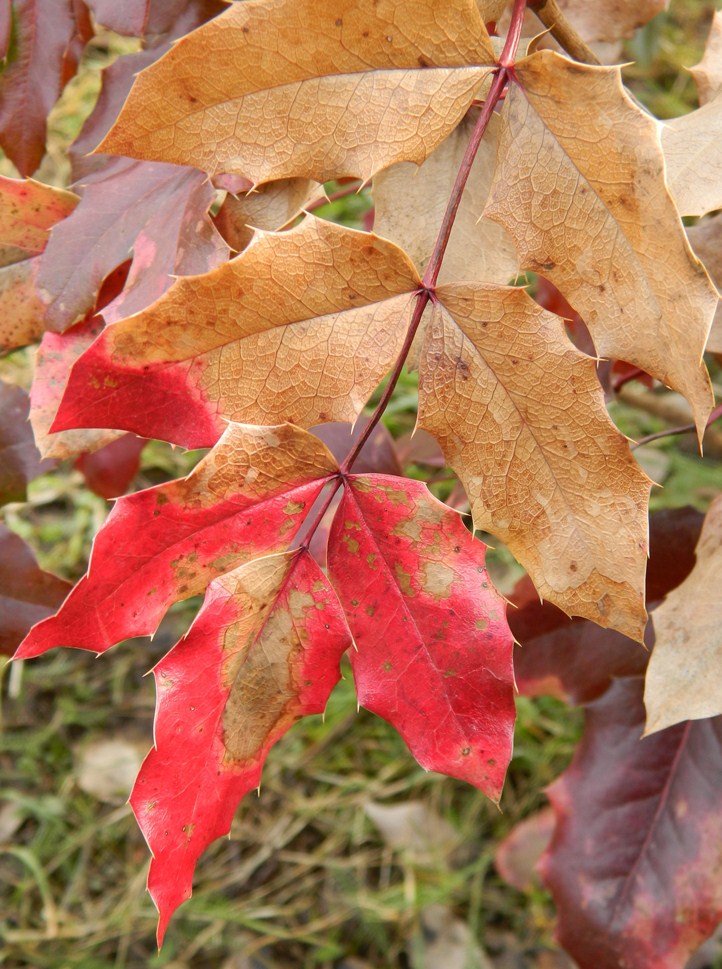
[
  {"x": 303, "y": 88},
  {"x": 269, "y": 207},
  {"x": 682, "y": 680},
  {"x": 263, "y": 652},
  {"x": 580, "y": 187},
  {"x": 27, "y": 594},
  {"x": 635, "y": 859},
  {"x": 301, "y": 325},
  {"x": 708, "y": 73},
  {"x": 433, "y": 649},
  {"x": 20, "y": 460},
  {"x": 513, "y": 404},
  {"x": 694, "y": 162},
  {"x": 246, "y": 498},
  {"x": 410, "y": 204},
  {"x": 159, "y": 213},
  {"x": 706, "y": 240},
  {"x": 36, "y": 68},
  {"x": 610, "y": 20}
]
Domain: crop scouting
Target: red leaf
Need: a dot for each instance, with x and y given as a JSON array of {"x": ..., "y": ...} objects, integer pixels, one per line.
[
  {"x": 246, "y": 498},
  {"x": 575, "y": 659},
  {"x": 56, "y": 355},
  {"x": 36, "y": 70},
  {"x": 635, "y": 859},
  {"x": 128, "y": 17},
  {"x": 158, "y": 211},
  {"x": 263, "y": 651},
  {"x": 20, "y": 460},
  {"x": 433, "y": 647},
  {"x": 27, "y": 594},
  {"x": 110, "y": 470}
]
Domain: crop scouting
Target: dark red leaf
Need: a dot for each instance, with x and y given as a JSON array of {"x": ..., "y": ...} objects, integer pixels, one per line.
[
  {"x": 128, "y": 17},
  {"x": 635, "y": 861},
  {"x": 263, "y": 651},
  {"x": 27, "y": 594},
  {"x": 110, "y": 470},
  {"x": 433, "y": 650},
  {"x": 246, "y": 498},
  {"x": 20, "y": 460},
  {"x": 6, "y": 21},
  {"x": 575, "y": 659},
  {"x": 37, "y": 67},
  {"x": 160, "y": 212}
]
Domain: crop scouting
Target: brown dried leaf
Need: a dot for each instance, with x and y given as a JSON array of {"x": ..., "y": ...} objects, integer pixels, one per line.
[
  {"x": 21, "y": 309},
  {"x": 301, "y": 326},
  {"x": 683, "y": 680},
  {"x": 303, "y": 88},
  {"x": 708, "y": 73},
  {"x": 269, "y": 207},
  {"x": 28, "y": 210},
  {"x": 520, "y": 416},
  {"x": 694, "y": 159},
  {"x": 610, "y": 20},
  {"x": 706, "y": 240},
  {"x": 410, "y": 204},
  {"x": 580, "y": 187}
]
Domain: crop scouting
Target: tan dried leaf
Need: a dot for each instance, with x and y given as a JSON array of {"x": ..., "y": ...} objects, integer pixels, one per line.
[
  {"x": 683, "y": 681},
  {"x": 28, "y": 210},
  {"x": 520, "y": 416},
  {"x": 269, "y": 207},
  {"x": 610, "y": 20},
  {"x": 300, "y": 327},
  {"x": 580, "y": 187},
  {"x": 410, "y": 204},
  {"x": 491, "y": 9},
  {"x": 307, "y": 88},
  {"x": 706, "y": 240},
  {"x": 21, "y": 309},
  {"x": 693, "y": 154},
  {"x": 708, "y": 73}
]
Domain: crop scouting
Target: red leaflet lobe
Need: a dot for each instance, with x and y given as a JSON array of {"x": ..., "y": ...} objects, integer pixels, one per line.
[
  {"x": 635, "y": 862},
  {"x": 434, "y": 651},
  {"x": 246, "y": 498},
  {"x": 263, "y": 651}
]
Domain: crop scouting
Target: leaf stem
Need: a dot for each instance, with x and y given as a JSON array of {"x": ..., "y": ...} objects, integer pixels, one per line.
[
  {"x": 672, "y": 431},
  {"x": 562, "y": 31},
  {"x": 425, "y": 294}
]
